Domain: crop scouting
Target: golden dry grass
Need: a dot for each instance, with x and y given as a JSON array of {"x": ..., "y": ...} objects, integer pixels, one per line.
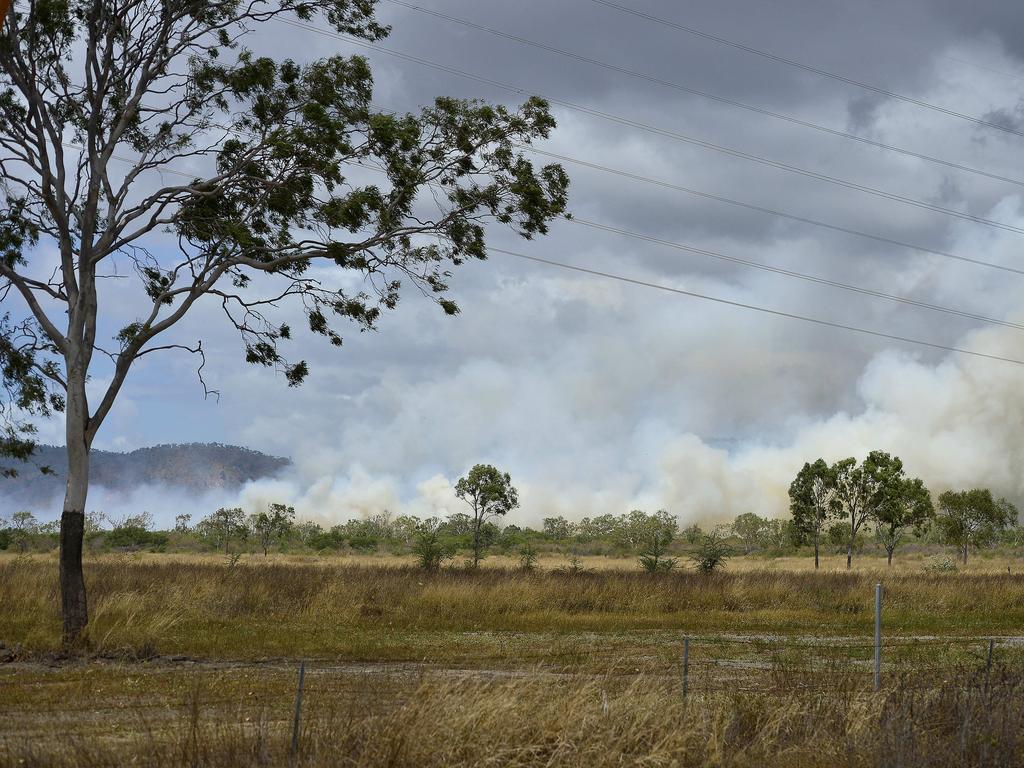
[
  {"x": 288, "y": 607},
  {"x": 122, "y": 716},
  {"x": 500, "y": 667}
]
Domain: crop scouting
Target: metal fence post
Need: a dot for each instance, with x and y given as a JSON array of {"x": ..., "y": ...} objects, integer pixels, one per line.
[
  {"x": 878, "y": 637},
  {"x": 686, "y": 666},
  {"x": 298, "y": 714}
]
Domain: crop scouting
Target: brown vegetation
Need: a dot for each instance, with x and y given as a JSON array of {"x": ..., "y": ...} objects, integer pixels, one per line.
[{"x": 192, "y": 662}]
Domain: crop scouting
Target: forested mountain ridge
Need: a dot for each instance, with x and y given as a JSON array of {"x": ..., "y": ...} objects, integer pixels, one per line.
[{"x": 191, "y": 467}]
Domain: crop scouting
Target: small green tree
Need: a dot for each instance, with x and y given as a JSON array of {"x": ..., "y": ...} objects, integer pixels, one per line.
[
  {"x": 693, "y": 533},
  {"x": 813, "y": 501},
  {"x": 861, "y": 490},
  {"x": 528, "y": 557},
  {"x": 273, "y": 525},
  {"x": 557, "y": 528},
  {"x": 906, "y": 505},
  {"x": 712, "y": 554},
  {"x": 490, "y": 494},
  {"x": 429, "y": 545},
  {"x": 749, "y": 528},
  {"x": 972, "y": 518},
  {"x": 660, "y": 531},
  {"x": 24, "y": 526},
  {"x": 223, "y": 526}
]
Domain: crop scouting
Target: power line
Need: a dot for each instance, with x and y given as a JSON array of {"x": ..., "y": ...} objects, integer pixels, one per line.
[
  {"x": 794, "y": 274},
  {"x": 708, "y": 95},
  {"x": 806, "y": 67},
  {"x": 755, "y": 307},
  {"x": 666, "y": 133},
  {"x": 779, "y": 270},
  {"x": 733, "y": 259},
  {"x": 769, "y": 211},
  {"x": 728, "y": 302}
]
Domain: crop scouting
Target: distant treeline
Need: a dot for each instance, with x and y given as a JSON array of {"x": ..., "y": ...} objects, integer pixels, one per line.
[{"x": 842, "y": 507}]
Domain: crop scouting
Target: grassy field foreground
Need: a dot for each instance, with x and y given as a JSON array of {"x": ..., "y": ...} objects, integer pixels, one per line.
[
  {"x": 258, "y": 609},
  {"x": 192, "y": 662}
]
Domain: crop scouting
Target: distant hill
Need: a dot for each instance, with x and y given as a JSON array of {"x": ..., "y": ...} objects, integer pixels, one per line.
[{"x": 193, "y": 467}]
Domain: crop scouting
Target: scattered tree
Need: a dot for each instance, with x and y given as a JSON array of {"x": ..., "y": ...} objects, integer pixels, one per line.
[
  {"x": 528, "y": 557},
  {"x": 972, "y": 518},
  {"x": 861, "y": 490},
  {"x": 24, "y": 526},
  {"x": 272, "y": 526},
  {"x": 813, "y": 501},
  {"x": 692, "y": 533},
  {"x": 712, "y": 553},
  {"x": 103, "y": 104},
  {"x": 749, "y": 528},
  {"x": 907, "y": 504},
  {"x": 223, "y": 526},
  {"x": 558, "y": 528},
  {"x": 490, "y": 494},
  {"x": 430, "y": 548},
  {"x": 660, "y": 531},
  {"x": 133, "y": 532},
  {"x": 181, "y": 523},
  {"x": 459, "y": 524}
]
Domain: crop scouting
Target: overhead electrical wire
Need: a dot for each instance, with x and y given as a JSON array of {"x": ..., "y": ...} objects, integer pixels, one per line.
[
  {"x": 729, "y": 302},
  {"x": 768, "y": 211},
  {"x": 806, "y": 67},
  {"x": 666, "y": 133},
  {"x": 755, "y": 307},
  {"x": 710, "y": 96},
  {"x": 793, "y": 273},
  {"x": 769, "y": 268}
]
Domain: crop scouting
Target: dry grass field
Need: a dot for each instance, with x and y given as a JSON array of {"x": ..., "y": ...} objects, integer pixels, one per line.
[{"x": 192, "y": 662}]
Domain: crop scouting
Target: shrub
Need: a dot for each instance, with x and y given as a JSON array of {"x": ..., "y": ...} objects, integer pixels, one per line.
[
  {"x": 430, "y": 548},
  {"x": 940, "y": 565},
  {"x": 712, "y": 554},
  {"x": 528, "y": 557}
]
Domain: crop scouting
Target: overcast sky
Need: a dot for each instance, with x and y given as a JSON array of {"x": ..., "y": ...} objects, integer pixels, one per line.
[{"x": 599, "y": 396}]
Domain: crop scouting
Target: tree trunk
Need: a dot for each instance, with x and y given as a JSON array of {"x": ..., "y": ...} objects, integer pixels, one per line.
[
  {"x": 815, "y": 550},
  {"x": 889, "y": 552},
  {"x": 74, "y": 608},
  {"x": 477, "y": 520},
  {"x": 849, "y": 546}
]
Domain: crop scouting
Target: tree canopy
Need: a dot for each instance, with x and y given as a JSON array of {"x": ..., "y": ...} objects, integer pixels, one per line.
[
  {"x": 489, "y": 493},
  {"x": 973, "y": 518}
]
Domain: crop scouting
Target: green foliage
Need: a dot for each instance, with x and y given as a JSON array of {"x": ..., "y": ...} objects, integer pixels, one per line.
[
  {"x": 489, "y": 493},
  {"x": 272, "y": 526},
  {"x": 557, "y": 528},
  {"x": 973, "y": 518},
  {"x": 658, "y": 532},
  {"x": 712, "y": 554},
  {"x": 24, "y": 527},
  {"x": 906, "y": 505},
  {"x": 430, "y": 546},
  {"x": 528, "y": 557},
  {"x": 749, "y": 528},
  {"x": 222, "y": 527},
  {"x": 102, "y": 98},
  {"x": 26, "y": 377},
  {"x": 692, "y": 534},
  {"x": 940, "y": 565},
  {"x": 813, "y": 500}
]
